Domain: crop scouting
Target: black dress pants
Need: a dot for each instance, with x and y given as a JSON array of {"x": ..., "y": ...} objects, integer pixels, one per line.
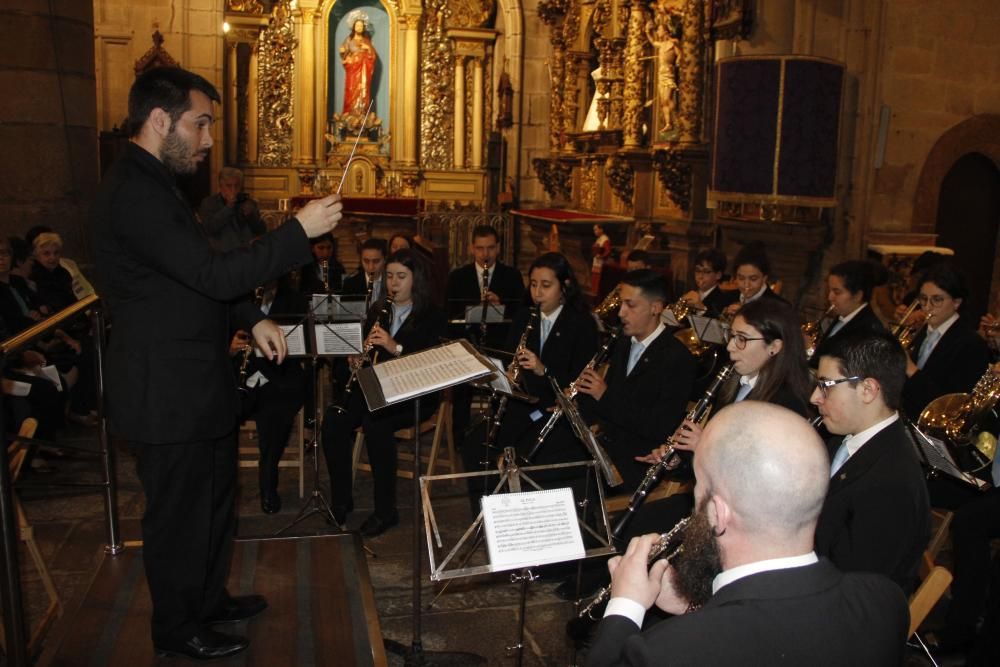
[{"x": 187, "y": 530}]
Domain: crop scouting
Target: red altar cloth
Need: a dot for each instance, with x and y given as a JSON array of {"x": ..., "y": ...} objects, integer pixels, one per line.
[
  {"x": 380, "y": 206},
  {"x": 566, "y": 215}
]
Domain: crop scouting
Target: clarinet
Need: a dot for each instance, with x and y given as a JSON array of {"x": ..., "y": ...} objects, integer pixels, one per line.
[
  {"x": 484, "y": 304},
  {"x": 366, "y": 355},
  {"x": 324, "y": 273},
  {"x": 696, "y": 414},
  {"x": 514, "y": 372},
  {"x": 258, "y": 299},
  {"x": 571, "y": 391},
  {"x": 368, "y": 296}
]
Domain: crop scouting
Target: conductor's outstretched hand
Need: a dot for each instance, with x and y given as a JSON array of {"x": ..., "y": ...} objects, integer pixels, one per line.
[{"x": 320, "y": 215}]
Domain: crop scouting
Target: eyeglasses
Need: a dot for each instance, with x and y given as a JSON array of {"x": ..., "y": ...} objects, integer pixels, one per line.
[
  {"x": 738, "y": 338},
  {"x": 824, "y": 385},
  {"x": 935, "y": 300}
]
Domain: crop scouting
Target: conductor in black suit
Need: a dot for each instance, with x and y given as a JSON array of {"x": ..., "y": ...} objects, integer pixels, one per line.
[
  {"x": 748, "y": 588},
  {"x": 484, "y": 279},
  {"x": 876, "y": 517},
  {"x": 171, "y": 389}
]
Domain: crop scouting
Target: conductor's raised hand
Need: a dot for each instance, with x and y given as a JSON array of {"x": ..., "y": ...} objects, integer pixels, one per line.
[
  {"x": 270, "y": 340},
  {"x": 631, "y": 577},
  {"x": 320, "y": 215}
]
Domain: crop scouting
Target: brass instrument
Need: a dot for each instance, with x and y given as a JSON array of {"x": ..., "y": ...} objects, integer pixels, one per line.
[
  {"x": 696, "y": 414},
  {"x": 611, "y": 304},
  {"x": 514, "y": 373},
  {"x": 571, "y": 391},
  {"x": 957, "y": 419},
  {"x": 367, "y": 358},
  {"x": 681, "y": 309},
  {"x": 904, "y": 332},
  {"x": 258, "y": 299},
  {"x": 669, "y": 546},
  {"x": 813, "y": 332}
]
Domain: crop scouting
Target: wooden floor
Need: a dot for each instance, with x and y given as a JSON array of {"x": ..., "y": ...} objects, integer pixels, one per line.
[{"x": 322, "y": 608}]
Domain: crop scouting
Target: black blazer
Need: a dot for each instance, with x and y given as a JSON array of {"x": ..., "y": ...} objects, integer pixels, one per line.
[
  {"x": 170, "y": 298},
  {"x": 876, "y": 516},
  {"x": 866, "y": 321},
  {"x": 357, "y": 284},
  {"x": 310, "y": 282},
  {"x": 639, "y": 411},
  {"x": 419, "y": 331},
  {"x": 812, "y": 615},
  {"x": 718, "y": 299},
  {"x": 958, "y": 361},
  {"x": 10, "y": 309},
  {"x": 463, "y": 288}
]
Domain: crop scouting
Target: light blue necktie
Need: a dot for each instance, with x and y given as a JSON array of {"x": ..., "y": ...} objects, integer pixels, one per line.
[
  {"x": 840, "y": 457},
  {"x": 399, "y": 316},
  {"x": 742, "y": 392},
  {"x": 837, "y": 326},
  {"x": 633, "y": 356},
  {"x": 544, "y": 334},
  {"x": 927, "y": 347}
]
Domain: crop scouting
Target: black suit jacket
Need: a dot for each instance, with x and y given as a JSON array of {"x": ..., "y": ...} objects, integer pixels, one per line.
[
  {"x": 170, "y": 297},
  {"x": 866, "y": 321},
  {"x": 357, "y": 284},
  {"x": 812, "y": 615},
  {"x": 718, "y": 299},
  {"x": 638, "y": 411},
  {"x": 463, "y": 288},
  {"x": 958, "y": 360},
  {"x": 311, "y": 283},
  {"x": 876, "y": 516}
]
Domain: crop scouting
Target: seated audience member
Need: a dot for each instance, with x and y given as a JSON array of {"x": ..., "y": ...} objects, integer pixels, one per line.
[
  {"x": 413, "y": 324},
  {"x": 643, "y": 397},
  {"x": 317, "y": 277},
  {"x": 271, "y": 393},
  {"x": 947, "y": 356},
  {"x": 849, "y": 291},
  {"x": 876, "y": 517},
  {"x": 748, "y": 587},
  {"x": 371, "y": 272},
  {"x": 231, "y": 219},
  {"x": 707, "y": 296},
  {"x": 484, "y": 278},
  {"x": 53, "y": 282},
  {"x": 17, "y": 302},
  {"x": 81, "y": 286},
  {"x": 751, "y": 270}
]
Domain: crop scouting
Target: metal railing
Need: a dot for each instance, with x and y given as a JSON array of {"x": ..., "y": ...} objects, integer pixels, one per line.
[{"x": 10, "y": 584}]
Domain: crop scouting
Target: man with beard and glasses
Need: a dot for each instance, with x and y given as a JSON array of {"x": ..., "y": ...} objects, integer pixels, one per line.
[
  {"x": 171, "y": 392},
  {"x": 748, "y": 588}
]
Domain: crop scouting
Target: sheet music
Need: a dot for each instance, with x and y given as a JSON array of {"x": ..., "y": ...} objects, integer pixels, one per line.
[
  {"x": 668, "y": 319},
  {"x": 708, "y": 330},
  {"x": 422, "y": 372},
  {"x": 338, "y": 307},
  {"x": 935, "y": 452},
  {"x": 339, "y": 339},
  {"x": 499, "y": 379},
  {"x": 531, "y": 528},
  {"x": 494, "y": 313},
  {"x": 295, "y": 338}
]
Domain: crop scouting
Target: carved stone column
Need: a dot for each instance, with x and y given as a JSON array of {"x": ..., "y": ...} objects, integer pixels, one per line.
[
  {"x": 558, "y": 74},
  {"x": 411, "y": 79},
  {"x": 634, "y": 79},
  {"x": 252, "y": 106},
  {"x": 232, "y": 102},
  {"x": 693, "y": 58},
  {"x": 477, "y": 113},
  {"x": 306, "y": 120},
  {"x": 458, "y": 152},
  {"x": 576, "y": 86}
]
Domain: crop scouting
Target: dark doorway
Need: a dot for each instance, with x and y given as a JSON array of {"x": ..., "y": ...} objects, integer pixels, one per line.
[{"x": 968, "y": 217}]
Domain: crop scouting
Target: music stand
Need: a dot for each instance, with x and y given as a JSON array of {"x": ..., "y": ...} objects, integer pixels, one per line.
[
  {"x": 317, "y": 503},
  {"x": 512, "y": 479},
  {"x": 398, "y": 380}
]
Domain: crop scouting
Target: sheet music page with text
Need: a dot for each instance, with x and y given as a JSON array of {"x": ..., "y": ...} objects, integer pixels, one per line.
[
  {"x": 424, "y": 371},
  {"x": 531, "y": 528}
]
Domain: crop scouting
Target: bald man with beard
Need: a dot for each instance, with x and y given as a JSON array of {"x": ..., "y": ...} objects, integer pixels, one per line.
[{"x": 748, "y": 588}]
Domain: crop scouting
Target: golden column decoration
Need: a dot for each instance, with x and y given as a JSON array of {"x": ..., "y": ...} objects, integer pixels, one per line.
[
  {"x": 232, "y": 102},
  {"x": 305, "y": 125},
  {"x": 634, "y": 79},
  {"x": 458, "y": 151},
  {"x": 692, "y": 72},
  {"x": 252, "y": 106},
  {"x": 558, "y": 76},
  {"x": 576, "y": 67},
  {"x": 477, "y": 113},
  {"x": 411, "y": 25}
]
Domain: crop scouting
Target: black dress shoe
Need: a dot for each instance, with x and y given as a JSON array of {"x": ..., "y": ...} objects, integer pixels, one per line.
[
  {"x": 238, "y": 608},
  {"x": 270, "y": 502},
  {"x": 340, "y": 512},
  {"x": 375, "y": 525},
  {"x": 205, "y": 645}
]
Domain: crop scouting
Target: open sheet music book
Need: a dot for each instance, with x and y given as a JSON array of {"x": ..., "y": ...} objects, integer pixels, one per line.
[
  {"x": 934, "y": 453},
  {"x": 531, "y": 528},
  {"x": 422, "y": 373}
]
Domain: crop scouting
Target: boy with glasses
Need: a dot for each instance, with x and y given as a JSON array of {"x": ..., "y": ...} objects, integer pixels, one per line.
[{"x": 876, "y": 516}]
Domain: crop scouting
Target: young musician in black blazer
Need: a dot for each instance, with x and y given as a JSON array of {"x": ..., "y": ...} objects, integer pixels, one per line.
[
  {"x": 751, "y": 270},
  {"x": 849, "y": 292},
  {"x": 947, "y": 356},
  {"x": 411, "y": 323},
  {"x": 644, "y": 395},
  {"x": 570, "y": 341},
  {"x": 505, "y": 286},
  {"x": 313, "y": 278},
  {"x": 370, "y": 272},
  {"x": 171, "y": 391},
  {"x": 876, "y": 516},
  {"x": 707, "y": 295}
]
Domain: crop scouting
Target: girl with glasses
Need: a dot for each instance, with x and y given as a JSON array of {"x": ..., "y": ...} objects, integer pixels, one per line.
[{"x": 947, "y": 356}]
